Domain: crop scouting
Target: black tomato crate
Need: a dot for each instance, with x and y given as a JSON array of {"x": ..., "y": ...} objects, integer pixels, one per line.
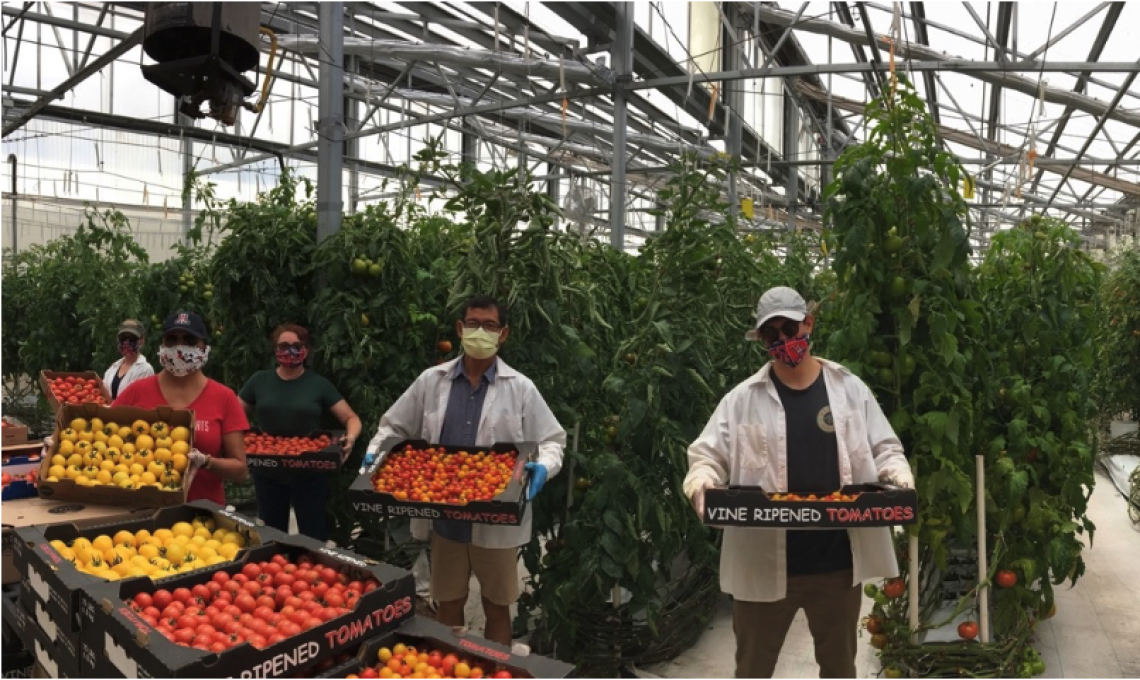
[
  {"x": 507, "y": 508},
  {"x": 60, "y": 587},
  {"x": 59, "y": 651},
  {"x": 425, "y": 634},
  {"x": 874, "y": 505},
  {"x": 327, "y": 459},
  {"x": 126, "y": 645}
]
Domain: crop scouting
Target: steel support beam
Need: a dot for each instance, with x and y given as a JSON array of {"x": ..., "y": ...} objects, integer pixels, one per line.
[
  {"x": 1099, "y": 42},
  {"x": 330, "y": 147},
  {"x": 918, "y": 12},
  {"x": 871, "y": 79},
  {"x": 352, "y": 146},
  {"x": 63, "y": 88},
  {"x": 733, "y": 58},
  {"x": 622, "y": 56},
  {"x": 1096, "y": 130},
  {"x": 1003, "y": 73},
  {"x": 791, "y": 149}
]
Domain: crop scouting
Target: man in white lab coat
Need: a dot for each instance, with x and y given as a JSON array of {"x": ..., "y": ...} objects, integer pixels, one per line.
[
  {"x": 800, "y": 424},
  {"x": 476, "y": 400}
]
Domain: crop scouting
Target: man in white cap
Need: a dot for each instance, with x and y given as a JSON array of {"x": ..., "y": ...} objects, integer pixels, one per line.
[{"x": 800, "y": 424}]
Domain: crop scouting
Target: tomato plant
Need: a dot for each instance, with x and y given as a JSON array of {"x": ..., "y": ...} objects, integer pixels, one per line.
[
  {"x": 1041, "y": 292},
  {"x": 1118, "y": 342},
  {"x": 898, "y": 233},
  {"x": 62, "y": 301}
]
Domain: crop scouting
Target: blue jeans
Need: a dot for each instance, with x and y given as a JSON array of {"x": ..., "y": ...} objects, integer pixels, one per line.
[{"x": 308, "y": 497}]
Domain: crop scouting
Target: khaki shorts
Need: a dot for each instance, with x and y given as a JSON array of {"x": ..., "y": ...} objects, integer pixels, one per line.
[{"x": 452, "y": 564}]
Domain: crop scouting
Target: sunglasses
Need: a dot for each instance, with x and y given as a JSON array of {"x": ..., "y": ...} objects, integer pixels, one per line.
[
  {"x": 290, "y": 346},
  {"x": 771, "y": 334}
]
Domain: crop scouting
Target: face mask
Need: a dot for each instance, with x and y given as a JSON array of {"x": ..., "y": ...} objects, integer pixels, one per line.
[
  {"x": 791, "y": 352},
  {"x": 182, "y": 360},
  {"x": 128, "y": 348},
  {"x": 480, "y": 344},
  {"x": 292, "y": 358}
]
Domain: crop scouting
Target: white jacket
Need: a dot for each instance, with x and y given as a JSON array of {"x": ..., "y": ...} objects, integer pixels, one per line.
[
  {"x": 141, "y": 369},
  {"x": 513, "y": 411},
  {"x": 745, "y": 443}
]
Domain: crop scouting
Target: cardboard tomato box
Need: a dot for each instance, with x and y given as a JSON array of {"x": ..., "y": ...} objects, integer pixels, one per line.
[
  {"x": 124, "y": 644},
  {"x": 59, "y": 651},
  {"x": 327, "y": 459},
  {"x": 46, "y": 378},
  {"x": 67, "y": 489},
  {"x": 21, "y": 465},
  {"x": 507, "y": 508},
  {"x": 874, "y": 505},
  {"x": 32, "y": 511},
  {"x": 13, "y": 432},
  {"x": 427, "y": 635},
  {"x": 52, "y": 580}
]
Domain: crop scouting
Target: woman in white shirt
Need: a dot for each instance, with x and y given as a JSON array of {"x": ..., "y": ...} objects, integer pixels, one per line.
[{"x": 133, "y": 366}]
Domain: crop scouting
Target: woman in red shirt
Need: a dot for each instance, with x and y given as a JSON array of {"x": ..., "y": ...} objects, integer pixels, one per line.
[{"x": 220, "y": 422}]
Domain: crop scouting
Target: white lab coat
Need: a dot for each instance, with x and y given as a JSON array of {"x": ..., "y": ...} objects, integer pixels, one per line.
[
  {"x": 513, "y": 411},
  {"x": 141, "y": 369},
  {"x": 745, "y": 443}
]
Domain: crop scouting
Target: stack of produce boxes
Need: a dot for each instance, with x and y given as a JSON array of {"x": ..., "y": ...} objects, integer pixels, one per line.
[
  {"x": 60, "y": 562},
  {"x": 155, "y": 597}
]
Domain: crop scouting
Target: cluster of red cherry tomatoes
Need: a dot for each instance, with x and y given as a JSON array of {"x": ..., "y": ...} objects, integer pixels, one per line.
[
  {"x": 263, "y": 604},
  {"x": 271, "y": 445},
  {"x": 435, "y": 476}
]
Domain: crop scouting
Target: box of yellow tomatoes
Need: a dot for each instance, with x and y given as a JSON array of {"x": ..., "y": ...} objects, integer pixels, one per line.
[
  {"x": 119, "y": 455},
  {"x": 59, "y": 561}
]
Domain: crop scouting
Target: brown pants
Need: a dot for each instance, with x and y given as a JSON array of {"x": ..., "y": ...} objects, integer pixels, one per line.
[{"x": 831, "y": 604}]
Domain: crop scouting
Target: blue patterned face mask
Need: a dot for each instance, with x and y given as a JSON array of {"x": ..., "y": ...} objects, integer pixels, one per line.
[{"x": 128, "y": 347}]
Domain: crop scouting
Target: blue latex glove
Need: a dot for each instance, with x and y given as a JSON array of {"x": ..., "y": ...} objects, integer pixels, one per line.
[
  {"x": 538, "y": 475},
  {"x": 369, "y": 457}
]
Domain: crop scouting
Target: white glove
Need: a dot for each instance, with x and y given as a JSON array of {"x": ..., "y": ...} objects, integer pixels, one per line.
[
  {"x": 197, "y": 458},
  {"x": 698, "y": 497},
  {"x": 49, "y": 442},
  {"x": 900, "y": 478}
]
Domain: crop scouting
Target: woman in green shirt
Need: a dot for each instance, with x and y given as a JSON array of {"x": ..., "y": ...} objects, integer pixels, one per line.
[{"x": 289, "y": 401}]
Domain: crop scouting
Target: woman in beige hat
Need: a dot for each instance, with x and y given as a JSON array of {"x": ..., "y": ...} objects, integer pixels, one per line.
[{"x": 133, "y": 366}]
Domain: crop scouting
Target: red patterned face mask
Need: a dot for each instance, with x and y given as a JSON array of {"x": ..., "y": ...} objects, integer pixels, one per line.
[
  {"x": 292, "y": 358},
  {"x": 791, "y": 352}
]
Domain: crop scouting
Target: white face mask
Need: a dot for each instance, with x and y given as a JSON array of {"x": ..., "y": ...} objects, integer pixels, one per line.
[
  {"x": 182, "y": 360},
  {"x": 480, "y": 344}
]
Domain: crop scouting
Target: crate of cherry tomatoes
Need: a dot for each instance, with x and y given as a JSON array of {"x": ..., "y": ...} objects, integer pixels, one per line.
[
  {"x": 478, "y": 484},
  {"x": 318, "y": 451},
  {"x": 281, "y": 611},
  {"x": 853, "y": 506},
  {"x": 421, "y": 648},
  {"x": 61, "y": 388}
]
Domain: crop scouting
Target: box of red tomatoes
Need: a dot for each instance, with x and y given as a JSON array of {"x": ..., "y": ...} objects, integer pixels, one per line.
[
  {"x": 282, "y": 610},
  {"x": 317, "y": 452},
  {"x": 61, "y": 388},
  {"x": 482, "y": 485},
  {"x": 422, "y": 646},
  {"x": 851, "y": 507}
]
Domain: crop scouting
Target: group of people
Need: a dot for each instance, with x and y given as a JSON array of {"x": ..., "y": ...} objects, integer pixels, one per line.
[{"x": 800, "y": 423}]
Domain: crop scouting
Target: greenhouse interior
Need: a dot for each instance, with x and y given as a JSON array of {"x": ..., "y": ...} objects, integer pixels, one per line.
[{"x": 550, "y": 339}]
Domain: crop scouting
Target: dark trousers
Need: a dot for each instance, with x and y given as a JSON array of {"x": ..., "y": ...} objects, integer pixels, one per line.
[
  {"x": 307, "y": 496},
  {"x": 831, "y": 604}
]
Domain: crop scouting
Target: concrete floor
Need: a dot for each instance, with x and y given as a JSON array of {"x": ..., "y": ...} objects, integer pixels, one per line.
[{"x": 1095, "y": 634}]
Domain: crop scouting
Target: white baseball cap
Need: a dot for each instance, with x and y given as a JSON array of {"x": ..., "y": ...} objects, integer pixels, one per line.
[{"x": 779, "y": 301}]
